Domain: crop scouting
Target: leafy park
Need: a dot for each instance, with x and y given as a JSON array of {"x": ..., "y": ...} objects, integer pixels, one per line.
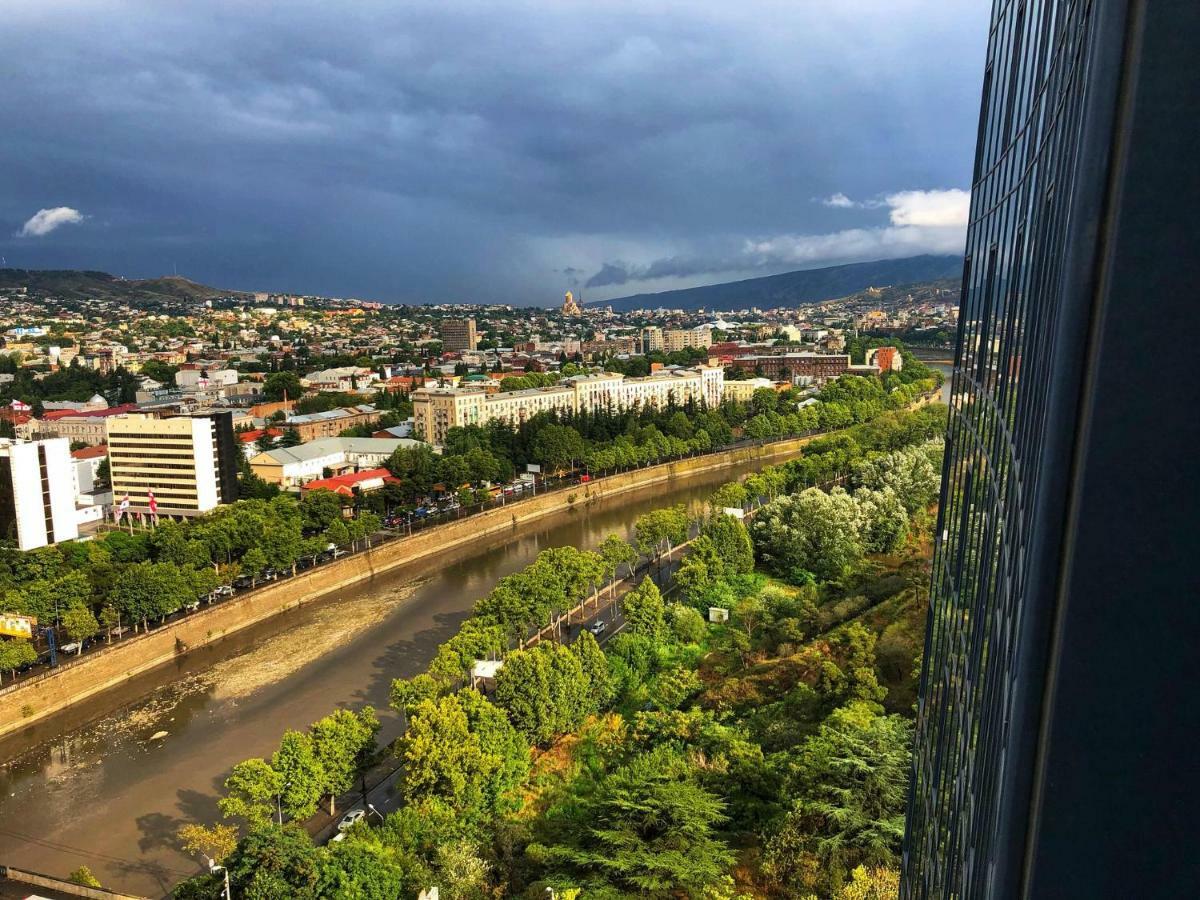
[{"x": 762, "y": 754}]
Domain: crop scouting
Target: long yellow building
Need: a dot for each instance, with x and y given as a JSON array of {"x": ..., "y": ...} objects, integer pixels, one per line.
[{"x": 437, "y": 410}]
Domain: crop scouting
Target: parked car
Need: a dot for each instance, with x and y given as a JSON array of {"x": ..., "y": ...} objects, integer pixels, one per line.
[
  {"x": 73, "y": 647},
  {"x": 243, "y": 581},
  {"x": 193, "y": 606},
  {"x": 351, "y": 818}
]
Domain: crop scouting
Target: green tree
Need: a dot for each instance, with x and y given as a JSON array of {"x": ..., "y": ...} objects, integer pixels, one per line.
[
  {"x": 14, "y": 653},
  {"x": 812, "y": 531},
  {"x": 731, "y": 495},
  {"x": 644, "y": 610},
  {"x": 319, "y": 509},
  {"x": 279, "y": 384},
  {"x": 79, "y": 623},
  {"x": 357, "y": 869},
  {"x": 731, "y": 543},
  {"x": 660, "y": 530},
  {"x": 274, "y": 862},
  {"x": 250, "y": 792},
  {"x": 594, "y": 664},
  {"x": 687, "y": 624},
  {"x": 407, "y": 693},
  {"x": 544, "y": 691},
  {"x": 616, "y": 552},
  {"x": 304, "y": 778},
  {"x": 849, "y": 787},
  {"x": 648, "y": 828},
  {"x": 557, "y": 446},
  {"x": 83, "y": 876},
  {"x": 342, "y": 743},
  {"x": 462, "y": 750}
]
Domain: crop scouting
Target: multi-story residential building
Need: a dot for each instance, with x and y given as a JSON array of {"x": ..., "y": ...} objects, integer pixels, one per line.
[
  {"x": 84, "y": 426},
  {"x": 652, "y": 339},
  {"x": 784, "y": 366},
  {"x": 458, "y": 335},
  {"x": 37, "y": 493},
  {"x": 178, "y": 466},
  {"x": 887, "y": 359},
  {"x": 743, "y": 391},
  {"x": 292, "y": 467},
  {"x": 1056, "y": 722},
  {"x": 675, "y": 339},
  {"x": 333, "y": 422},
  {"x": 437, "y": 410},
  {"x": 514, "y": 407}
]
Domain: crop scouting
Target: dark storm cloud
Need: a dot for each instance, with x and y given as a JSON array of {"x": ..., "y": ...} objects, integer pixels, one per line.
[{"x": 430, "y": 151}]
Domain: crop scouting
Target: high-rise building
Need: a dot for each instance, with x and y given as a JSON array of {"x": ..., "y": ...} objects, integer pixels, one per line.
[
  {"x": 459, "y": 334},
  {"x": 180, "y": 466},
  {"x": 37, "y": 492},
  {"x": 1056, "y": 724}
]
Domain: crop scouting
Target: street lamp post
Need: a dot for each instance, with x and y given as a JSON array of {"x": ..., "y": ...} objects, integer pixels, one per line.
[
  {"x": 279, "y": 801},
  {"x": 213, "y": 868}
]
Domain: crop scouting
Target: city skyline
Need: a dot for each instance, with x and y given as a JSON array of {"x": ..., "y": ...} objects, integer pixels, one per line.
[{"x": 427, "y": 156}]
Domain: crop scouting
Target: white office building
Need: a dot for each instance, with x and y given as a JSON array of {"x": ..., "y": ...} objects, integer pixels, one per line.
[{"x": 37, "y": 492}]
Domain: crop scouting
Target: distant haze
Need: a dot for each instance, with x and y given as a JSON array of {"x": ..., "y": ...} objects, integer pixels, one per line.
[{"x": 438, "y": 151}]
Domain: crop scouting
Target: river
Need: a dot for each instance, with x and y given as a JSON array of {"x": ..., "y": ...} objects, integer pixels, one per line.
[
  {"x": 943, "y": 361},
  {"x": 107, "y": 796}
]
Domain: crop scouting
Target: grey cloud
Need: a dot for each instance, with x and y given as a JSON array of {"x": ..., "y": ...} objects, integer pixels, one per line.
[{"x": 430, "y": 150}]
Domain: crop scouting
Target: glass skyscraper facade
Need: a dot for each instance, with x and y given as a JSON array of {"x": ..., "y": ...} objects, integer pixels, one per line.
[{"x": 1028, "y": 741}]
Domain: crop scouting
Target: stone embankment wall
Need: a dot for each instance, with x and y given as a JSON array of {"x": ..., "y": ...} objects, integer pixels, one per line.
[{"x": 25, "y": 703}]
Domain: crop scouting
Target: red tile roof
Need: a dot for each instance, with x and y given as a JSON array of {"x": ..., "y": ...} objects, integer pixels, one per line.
[
  {"x": 90, "y": 452},
  {"x": 54, "y": 414},
  {"x": 344, "y": 484},
  {"x": 254, "y": 434}
]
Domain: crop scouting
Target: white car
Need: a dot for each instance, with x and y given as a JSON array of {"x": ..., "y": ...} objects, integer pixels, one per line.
[{"x": 350, "y": 818}]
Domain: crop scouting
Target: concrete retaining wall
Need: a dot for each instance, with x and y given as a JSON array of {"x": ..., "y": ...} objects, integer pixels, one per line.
[{"x": 23, "y": 704}]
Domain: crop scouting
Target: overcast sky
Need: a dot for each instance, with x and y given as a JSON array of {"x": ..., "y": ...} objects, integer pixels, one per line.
[{"x": 493, "y": 152}]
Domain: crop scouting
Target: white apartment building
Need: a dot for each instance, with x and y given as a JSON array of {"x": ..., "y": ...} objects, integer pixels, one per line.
[
  {"x": 514, "y": 407},
  {"x": 437, "y": 410},
  {"x": 37, "y": 492}
]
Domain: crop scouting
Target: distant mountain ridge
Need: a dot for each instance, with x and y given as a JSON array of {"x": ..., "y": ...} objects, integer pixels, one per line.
[
  {"x": 796, "y": 288},
  {"x": 81, "y": 285}
]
